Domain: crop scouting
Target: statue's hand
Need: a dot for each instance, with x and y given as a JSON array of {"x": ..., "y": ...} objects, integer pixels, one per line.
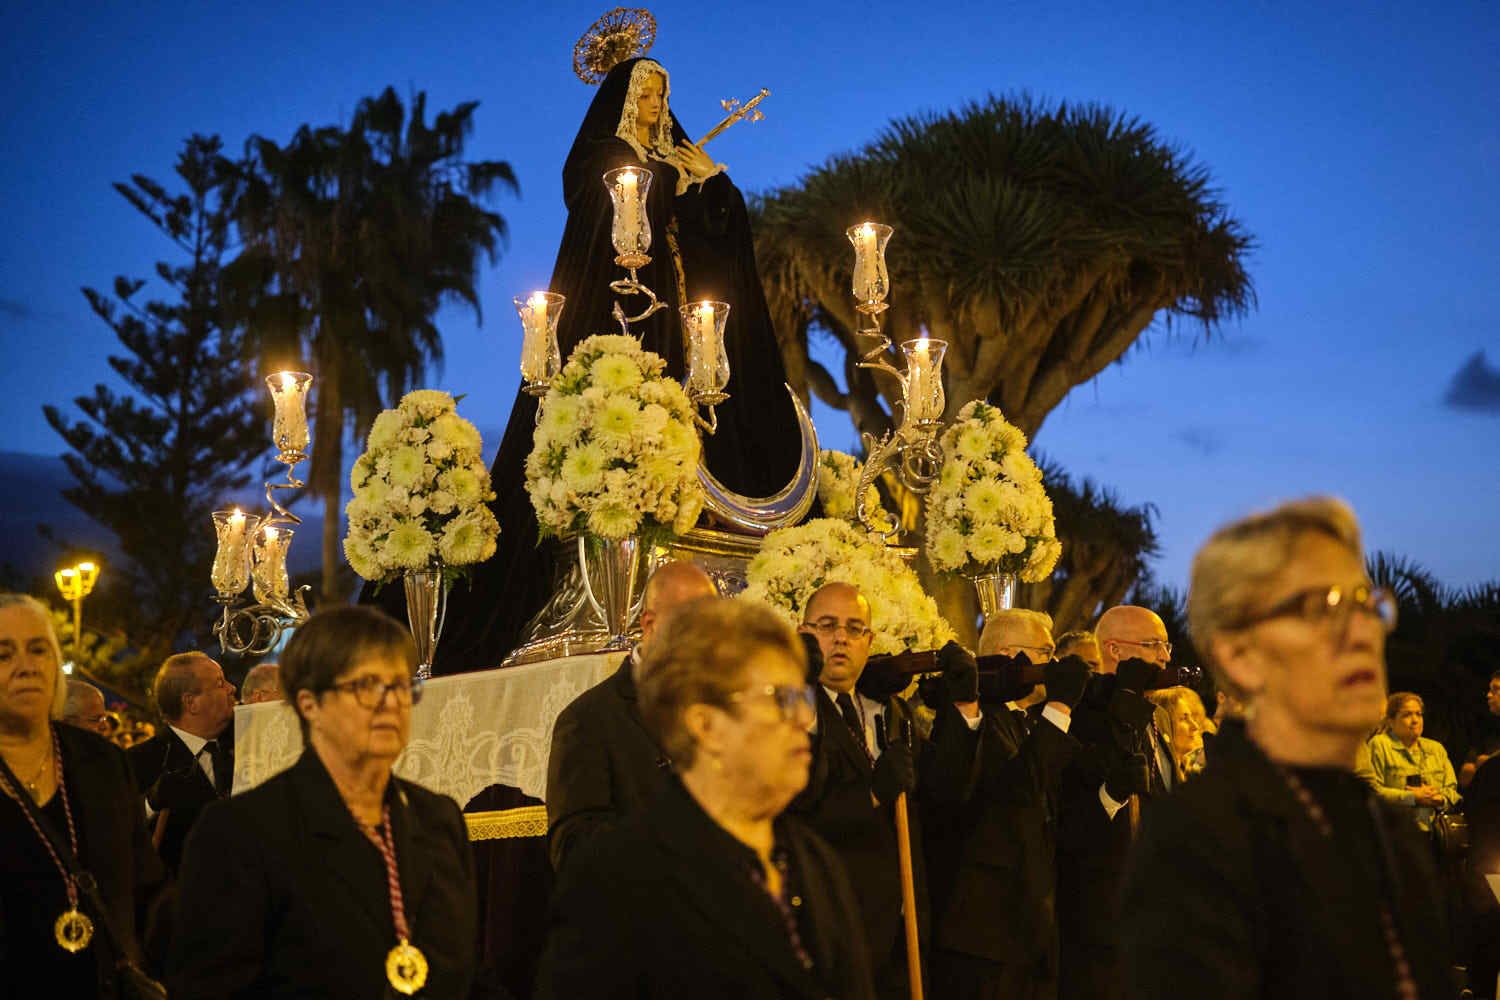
[{"x": 694, "y": 162}]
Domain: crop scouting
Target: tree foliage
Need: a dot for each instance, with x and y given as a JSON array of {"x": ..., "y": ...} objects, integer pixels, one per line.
[
  {"x": 151, "y": 465},
  {"x": 1039, "y": 241},
  {"x": 353, "y": 238}
]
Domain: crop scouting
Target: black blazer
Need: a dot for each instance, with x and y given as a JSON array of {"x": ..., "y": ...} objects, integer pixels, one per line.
[
  {"x": 1234, "y": 892},
  {"x": 1003, "y": 903},
  {"x": 114, "y": 848},
  {"x": 166, "y": 752},
  {"x": 282, "y": 895},
  {"x": 837, "y": 805},
  {"x": 603, "y": 764},
  {"x": 663, "y": 905}
]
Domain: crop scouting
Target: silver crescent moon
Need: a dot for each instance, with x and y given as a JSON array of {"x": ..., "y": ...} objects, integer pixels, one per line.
[{"x": 760, "y": 515}]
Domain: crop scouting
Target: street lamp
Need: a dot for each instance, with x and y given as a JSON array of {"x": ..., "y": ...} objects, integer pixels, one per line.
[{"x": 76, "y": 583}]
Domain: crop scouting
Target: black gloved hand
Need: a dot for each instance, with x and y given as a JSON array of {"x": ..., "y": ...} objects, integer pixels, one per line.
[
  {"x": 960, "y": 673},
  {"x": 1136, "y": 675},
  {"x": 1128, "y": 777},
  {"x": 814, "y": 656},
  {"x": 175, "y": 789},
  {"x": 895, "y": 772},
  {"x": 1066, "y": 680}
]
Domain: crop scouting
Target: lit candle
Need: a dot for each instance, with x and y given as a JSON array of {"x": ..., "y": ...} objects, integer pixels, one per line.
[
  {"x": 702, "y": 348},
  {"x": 289, "y": 430},
  {"x": 630, "y": 205},
  {"x": 269, "y": 571},
  {"x": 534, "y": 343},
  {"x": 924, "y": 378},
  {"x": 865, "y": 250},
  {"x": 231, "y": 560}
]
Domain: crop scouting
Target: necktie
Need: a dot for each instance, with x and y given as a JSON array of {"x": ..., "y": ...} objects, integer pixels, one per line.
[
  {"x": 223, "y": 766},
  {"x": 851, "y": 716}
]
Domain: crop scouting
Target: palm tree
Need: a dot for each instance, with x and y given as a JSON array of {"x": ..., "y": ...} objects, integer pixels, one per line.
[
  {"x": 1038, "y": 241},
  {"x": 353, "y": 239}
]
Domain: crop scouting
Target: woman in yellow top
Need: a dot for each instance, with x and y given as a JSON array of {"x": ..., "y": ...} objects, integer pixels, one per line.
[{"x": 1407, "y": 768}]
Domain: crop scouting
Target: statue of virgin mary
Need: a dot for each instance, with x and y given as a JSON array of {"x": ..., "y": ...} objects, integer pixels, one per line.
[{"x": 701, "y": 249}]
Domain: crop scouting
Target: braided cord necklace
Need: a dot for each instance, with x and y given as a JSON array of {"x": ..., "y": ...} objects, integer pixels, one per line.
[
  {"x": 405, "y": 965},
  {"x": 72, "y": 930},
  {"x": 1406, "y": 984}
]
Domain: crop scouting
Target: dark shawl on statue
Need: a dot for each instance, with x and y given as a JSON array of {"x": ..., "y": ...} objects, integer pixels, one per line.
[{"x": 756, "y": 449}]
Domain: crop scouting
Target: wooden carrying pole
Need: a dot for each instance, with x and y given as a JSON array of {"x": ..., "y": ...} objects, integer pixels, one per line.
[{"x": 908, "y": 898}]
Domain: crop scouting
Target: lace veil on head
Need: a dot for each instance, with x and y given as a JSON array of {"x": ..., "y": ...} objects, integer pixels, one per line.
[{"x": 661, "y": 133}]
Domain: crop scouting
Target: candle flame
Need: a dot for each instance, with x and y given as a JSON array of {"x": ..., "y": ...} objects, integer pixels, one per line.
[
  {"x": 86, "y": 567},
  {"x": 628, "y": 177},
  {"x": 270, "y": 533},
  {"x": 237, "y": 516},
  {"x": 538, "y": 300},
  {"x": 867, "y": 230},
  {"x": 285, "y": 379}
]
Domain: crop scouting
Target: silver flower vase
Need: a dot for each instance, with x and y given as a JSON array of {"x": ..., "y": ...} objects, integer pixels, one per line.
[
  {"x": 996, "y": 590},
  {"x": 426, "y": 606},
  {"x": 614, "y": 577}
]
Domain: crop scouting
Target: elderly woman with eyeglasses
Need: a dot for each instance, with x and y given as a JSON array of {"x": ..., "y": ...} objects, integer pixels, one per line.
[
  {"x": 710, "y": 891},
  {"x": 335, "y": 878},
  {"x": 1277, "y": 872}
]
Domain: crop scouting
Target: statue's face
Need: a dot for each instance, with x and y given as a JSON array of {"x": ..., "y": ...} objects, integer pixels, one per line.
[{"x": 648, "y": 106}]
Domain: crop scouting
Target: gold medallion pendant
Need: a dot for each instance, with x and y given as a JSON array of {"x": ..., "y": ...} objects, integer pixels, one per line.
[
  {"x": 73, "y": 931},
  {"x": 406, "y": 968}
]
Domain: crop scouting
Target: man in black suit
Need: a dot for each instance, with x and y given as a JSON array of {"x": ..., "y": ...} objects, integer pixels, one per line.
[
  {"x": 190, "y": 761},
  {"x": 1113, "y": 723},
  {"x": 861, "y": 763},
  {"x": 996, "y": 930},
  {"x": 603, "y": 762}
]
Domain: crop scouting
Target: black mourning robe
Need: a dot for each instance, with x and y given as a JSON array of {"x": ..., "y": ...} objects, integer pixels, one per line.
[{"x": 756, "y": 449}]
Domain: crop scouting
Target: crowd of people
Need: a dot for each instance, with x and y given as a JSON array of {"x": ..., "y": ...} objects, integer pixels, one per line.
[{"x": 740, "y": 811}]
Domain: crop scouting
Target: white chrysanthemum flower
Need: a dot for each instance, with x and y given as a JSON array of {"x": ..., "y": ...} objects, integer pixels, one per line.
[
  {"x": 464, "y": 542},
  {"x": 408, "y": 469},
  {"x": 973, "y": 444},
  {"x": 364, "y": 468},
  {"x": 427, "y": 402},
  {"x": 584, "y": 468},
  {"x": 465, "y": 487},
  {"x": 458, "y": 433},
  {"x": 441, "y": 502},
  {"x": 362, "y": 558},
  {"x": 386, "y": 430},
  {"x": 614, "y": 373},
  {"x": 983, "y": 500},
  {"x": 408, "y": 546},
  {"x": 947, "y": 549},
  {"x": 613, "y": 521},
  {"x": 615, "y": 421}
]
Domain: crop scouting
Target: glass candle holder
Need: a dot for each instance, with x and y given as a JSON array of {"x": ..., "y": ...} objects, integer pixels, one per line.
[
  {"x": 541, "y": 359},
  {"x": 872, "y": 283},
  {"x": 924, "y": 379},
  {"x": 707, "y": 360},
  {"x": 268, "y": 575},
  {"x": 289, "y": 429},
  {"x": 631, "y": 232},
  {"x": 231, "y": 572}
]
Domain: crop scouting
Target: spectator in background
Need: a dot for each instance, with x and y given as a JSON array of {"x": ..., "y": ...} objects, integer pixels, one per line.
[
  {"x": 190, "y": 760},
  {"x": 85, "y": 709},
  {"x": 1487, "y": 744},
  {"x": 1179, "y": 722},
  {"x": 261, "y": 683},
  {"x": 1405, "y": 767},
  {"x": 1082, "y": 644}
]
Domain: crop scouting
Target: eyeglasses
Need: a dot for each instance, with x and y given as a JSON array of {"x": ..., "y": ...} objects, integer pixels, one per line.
[
  {"x": 370, "y": 691},
  {"x": 1331, "y": 607},
  {"x": 829, "y": 626},
  {"x": 1047, "y": 652},
  {"x": 1161, "y": 644},
  {"x": 792, "y": 700}
]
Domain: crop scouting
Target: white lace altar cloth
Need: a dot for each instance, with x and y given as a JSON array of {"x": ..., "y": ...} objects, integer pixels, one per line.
[{"x": 468, "y": 732}]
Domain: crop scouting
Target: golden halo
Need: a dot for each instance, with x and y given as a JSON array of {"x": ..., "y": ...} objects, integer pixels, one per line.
[{"x": 623, "y": 33}]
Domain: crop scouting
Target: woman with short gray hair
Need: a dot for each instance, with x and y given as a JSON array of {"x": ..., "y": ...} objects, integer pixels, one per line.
[{"x": 1277, "y": 873}]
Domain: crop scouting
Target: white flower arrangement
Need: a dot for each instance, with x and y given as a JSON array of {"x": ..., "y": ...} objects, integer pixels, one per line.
[
  {"x": 838, "y": 478},
  {"x": 988, "y": 511},
  {"x": 615, "y": 452},
  {"x": 419, "y": 492},
  {"x": 794, "y": 562}
]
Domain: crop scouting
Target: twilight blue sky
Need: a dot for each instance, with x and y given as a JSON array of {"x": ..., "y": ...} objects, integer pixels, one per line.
[{"x": 1358, "y": 143}]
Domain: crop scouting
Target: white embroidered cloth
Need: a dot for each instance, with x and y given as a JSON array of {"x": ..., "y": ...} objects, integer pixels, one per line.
[{"x": 469, "y": 731}]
